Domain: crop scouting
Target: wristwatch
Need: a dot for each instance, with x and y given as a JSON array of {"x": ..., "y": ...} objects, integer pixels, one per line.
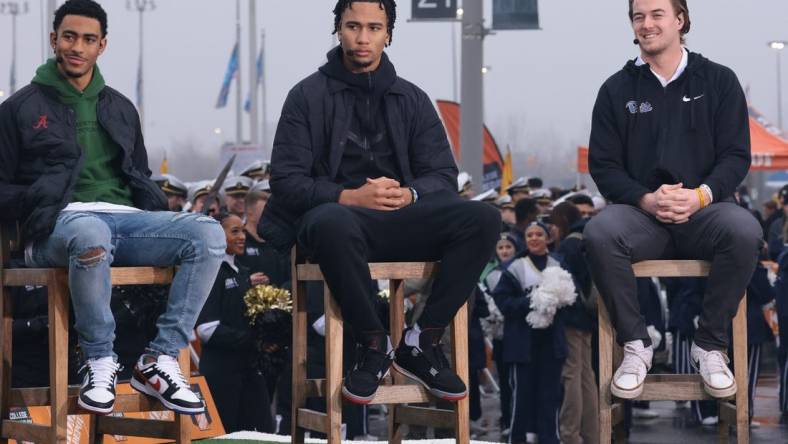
[{"x": 414, "y": 194}]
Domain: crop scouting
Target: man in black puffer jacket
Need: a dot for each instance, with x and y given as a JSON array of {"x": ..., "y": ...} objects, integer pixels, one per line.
[
  {"x": 74, "y": 173},
  {"x": 670, "y": 143},
  {"x": 362, "y": 171}
]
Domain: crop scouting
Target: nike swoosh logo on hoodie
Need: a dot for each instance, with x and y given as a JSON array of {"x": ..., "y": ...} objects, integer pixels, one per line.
[{"x": 687, "y": 99}]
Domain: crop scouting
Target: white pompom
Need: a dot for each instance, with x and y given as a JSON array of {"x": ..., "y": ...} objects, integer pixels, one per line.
[
  {"x": 556, "y": 290},
  {"x": 538, "y": 320}
]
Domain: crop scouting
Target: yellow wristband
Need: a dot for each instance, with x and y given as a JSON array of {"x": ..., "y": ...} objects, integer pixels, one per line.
[{"x": 700, "y": 197}]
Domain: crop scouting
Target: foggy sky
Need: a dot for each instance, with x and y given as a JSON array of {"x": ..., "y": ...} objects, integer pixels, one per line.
[{"x": 538, "y": 94}]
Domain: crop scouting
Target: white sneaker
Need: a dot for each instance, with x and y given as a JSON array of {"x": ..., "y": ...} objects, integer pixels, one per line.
[
  {"x": 712, "y": 365},
  {"x": 628, "y": 379},
  {"x": 163, "y": 380},
  {"x": 645, "y": 413},
  {"x": 97, "y": 393},
  {"x": 710, "y": 421}
]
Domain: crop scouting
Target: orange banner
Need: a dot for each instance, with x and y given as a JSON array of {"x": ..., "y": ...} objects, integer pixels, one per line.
[{"x": 492, "y": 159}]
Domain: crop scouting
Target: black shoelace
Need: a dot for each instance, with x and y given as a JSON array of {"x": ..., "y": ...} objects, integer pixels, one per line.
[
  {"x": 371, "y": 360},
  {"x": 435, "y": 357}
]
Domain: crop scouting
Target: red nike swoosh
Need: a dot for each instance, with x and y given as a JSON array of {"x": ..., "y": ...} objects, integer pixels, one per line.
[{"x": 156, "y": 385}]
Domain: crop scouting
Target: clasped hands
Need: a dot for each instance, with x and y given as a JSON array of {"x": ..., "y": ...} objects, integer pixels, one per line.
[
  {"x": 382, "y": 193},
  {"x": 672, "y": 204}
]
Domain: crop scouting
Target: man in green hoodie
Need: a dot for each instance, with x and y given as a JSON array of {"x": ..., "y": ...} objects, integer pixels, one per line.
[{"x": 74, "y": 173}]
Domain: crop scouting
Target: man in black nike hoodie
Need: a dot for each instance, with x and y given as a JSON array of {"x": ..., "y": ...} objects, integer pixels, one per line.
[
  {"x": 362, "y": 170},
  {"x": 669, "y": 144}
]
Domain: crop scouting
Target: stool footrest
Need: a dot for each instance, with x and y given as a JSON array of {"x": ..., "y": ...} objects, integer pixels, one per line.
[
  {"x": 424, "y": 416},
  {"x": 39, "y": 396},
  {"x": 401, "y": 394},
  {"x": 386, "y": 394},
  {"x": 670, "y": 387},
  {"x": 148, "y": 428},
  {"x": 21, "y": 431},
  {"x": 312, "y": 420}
]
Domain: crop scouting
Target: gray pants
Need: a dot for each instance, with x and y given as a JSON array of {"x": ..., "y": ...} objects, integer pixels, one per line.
[{"x": 723, "y": 233}]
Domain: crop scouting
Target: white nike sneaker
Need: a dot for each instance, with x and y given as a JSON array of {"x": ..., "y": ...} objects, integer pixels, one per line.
[
  {"x": 628, "y": 379},
  {"x": 712, "y": 365}
]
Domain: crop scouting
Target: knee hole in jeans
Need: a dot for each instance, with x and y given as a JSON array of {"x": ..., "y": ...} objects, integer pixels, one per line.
[{"x": 91, "y": 257}]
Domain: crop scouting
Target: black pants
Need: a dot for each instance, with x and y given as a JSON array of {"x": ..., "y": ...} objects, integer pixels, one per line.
[
  {"x": 440, "y": 226},
  {"x": 241, "y": 399},
  {"x": 723, "y": 233},
  {"x": 536, "y": 396}
]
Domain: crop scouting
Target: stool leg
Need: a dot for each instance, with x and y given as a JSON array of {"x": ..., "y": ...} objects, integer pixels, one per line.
[
  {"x": 6, "y": 317},
  {"x": 299, "y": 357},
  {"x": 333, "y": 368},
  {"x": 58, "y": 353},
  {"x": 183, "y": 423},
  {"x": 740, "y": 372},
  {"x": 723, "y": 426},
  {"x": 396, "y": 323},
  {"x": 605, "y": 374},
  {"x": 459, "y": 345}
]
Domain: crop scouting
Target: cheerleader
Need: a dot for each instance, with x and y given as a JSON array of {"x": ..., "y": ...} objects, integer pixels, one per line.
[
  {"x": 228, "y": 349},
  {"x": 530, "y": 294},
  {"x": 493, "y": 324}
]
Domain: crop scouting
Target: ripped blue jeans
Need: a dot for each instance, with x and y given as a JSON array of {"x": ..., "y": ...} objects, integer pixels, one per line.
[{"x": 88, "y": 243}]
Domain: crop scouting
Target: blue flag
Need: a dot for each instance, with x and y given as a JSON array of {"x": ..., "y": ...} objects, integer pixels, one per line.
[
  {"x": 248, "y": 102},
  {"x": 232, "y": 67}
]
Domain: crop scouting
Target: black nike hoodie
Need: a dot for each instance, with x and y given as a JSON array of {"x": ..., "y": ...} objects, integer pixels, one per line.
[{"x": 694, "y": 131}]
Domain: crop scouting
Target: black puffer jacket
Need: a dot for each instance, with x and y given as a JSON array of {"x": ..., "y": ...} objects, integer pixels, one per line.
[
  {"x": 310, "y": 140},
  {"x": 40, "y": 158}
]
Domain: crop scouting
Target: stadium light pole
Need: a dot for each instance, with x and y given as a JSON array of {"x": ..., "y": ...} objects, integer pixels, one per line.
[
  {"x": 778, "y": 46},
  {"x": 141, "y": 6},
  {"x": 13, "y": 9}
]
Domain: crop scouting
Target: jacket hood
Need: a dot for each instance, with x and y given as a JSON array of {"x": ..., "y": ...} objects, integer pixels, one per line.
[{"x": 48, "y": 75}]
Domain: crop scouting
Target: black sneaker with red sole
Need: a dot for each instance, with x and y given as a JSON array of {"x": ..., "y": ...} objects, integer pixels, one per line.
[{"x": 427, "y": 365}]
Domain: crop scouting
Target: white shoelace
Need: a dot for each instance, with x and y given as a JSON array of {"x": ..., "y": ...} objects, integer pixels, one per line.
[
  {"x": 102, "y": 372},
  {"x": 715, "y": 362},
  {"x": 170, "y": 367},
  {"x": 632, "y": 361}
]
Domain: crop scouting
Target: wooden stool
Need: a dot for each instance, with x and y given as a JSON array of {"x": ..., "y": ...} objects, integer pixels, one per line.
[
  {"x": 394, "y": 394},
  {"x": 61, "y": 398},
  {"x": 672, "y": 387}
]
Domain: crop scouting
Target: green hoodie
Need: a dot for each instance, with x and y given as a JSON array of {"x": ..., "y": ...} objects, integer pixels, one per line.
[{"x": 101, "y": 179}]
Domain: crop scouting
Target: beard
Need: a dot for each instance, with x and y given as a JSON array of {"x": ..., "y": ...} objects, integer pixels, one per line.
[{"x": 359, "y": 64}]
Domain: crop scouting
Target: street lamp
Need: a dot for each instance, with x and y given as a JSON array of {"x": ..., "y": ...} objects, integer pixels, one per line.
[
  {"x": 13, "y": 9},
  {"x": 140, "y": 6},
  {"x": 778, "y": 46}
]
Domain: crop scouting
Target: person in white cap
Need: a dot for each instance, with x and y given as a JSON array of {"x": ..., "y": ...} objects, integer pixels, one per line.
[{"x": 234, "y": 192}]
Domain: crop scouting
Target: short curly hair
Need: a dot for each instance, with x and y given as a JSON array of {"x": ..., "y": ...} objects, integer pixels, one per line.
[
  {"x": 84, "y": 8},
  {"x": 390, "y": 6}
]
